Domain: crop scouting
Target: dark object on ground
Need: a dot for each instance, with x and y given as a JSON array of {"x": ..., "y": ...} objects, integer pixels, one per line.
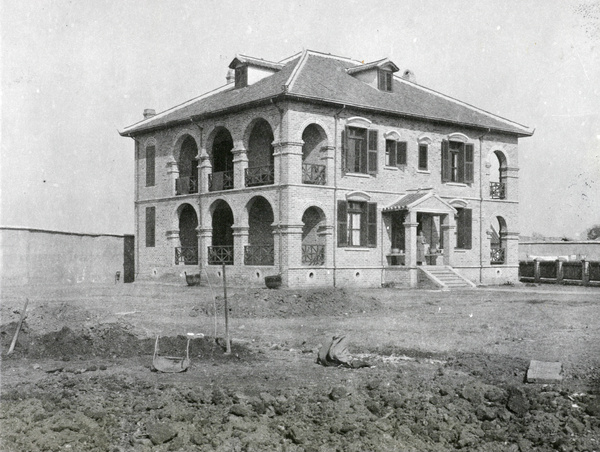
[
  {"x": 273, "y": 282},
  {"x": 336, "y": 353},
  {"x": 171, "y": 364},
  {"x": 192, "y": 280}
]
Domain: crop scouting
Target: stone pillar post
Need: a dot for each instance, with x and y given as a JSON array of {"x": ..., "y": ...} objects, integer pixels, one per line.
[
  {"x": 173, "y": 241},
  {"x": 510, "y": 177},
  {"x": 510, "y": 240},
  {"x": 448, "y": 228},
  {"x": 327, "y": 154},
  {"x": 559, "y": 271},
  {"x": 204, "y": 241},
  {"x": 173, "y": 173},
  {"x": 585, "y": 272},
  {"x": 326, "y": 232},
  {"x": 410, "y": 247},
  {"x": 536, "y": 270},
  {"x": 204, "y": 170},
  {"x": 288, "y": 162},
  {"x": 240, "y": 164},
  {"x": 240, "y": 240},
  {"x": 288, "y": 253}
]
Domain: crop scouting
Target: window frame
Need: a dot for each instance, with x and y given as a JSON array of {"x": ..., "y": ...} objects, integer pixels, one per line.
[
  {"x": 423, "y": 151},
  {"x": 464, "y": 228},
  {"x": 385, "y": 80},
  {"x": 366, "y": 161},
  {"x": 365, "y": 213},
  {"x": 457, "y": 162},
  {"x": 150, "y": 165},
  {"x": 393, "y": 150},
  {"x": 241, "y": 76},
  {"x": 150, "y": 227}
]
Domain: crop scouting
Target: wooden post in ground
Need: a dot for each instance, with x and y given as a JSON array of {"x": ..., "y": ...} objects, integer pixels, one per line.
[{"x": 227, "y": 338}]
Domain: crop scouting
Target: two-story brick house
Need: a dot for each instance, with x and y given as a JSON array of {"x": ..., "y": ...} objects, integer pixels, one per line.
[{"x": 327, "y": 172}]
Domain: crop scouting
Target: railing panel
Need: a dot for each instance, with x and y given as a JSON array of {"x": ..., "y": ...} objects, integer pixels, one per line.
[
  {"x": 526, "y": 270},
  {"x": 594, "y": 269},
  {"x": 314, "y": 174},
  {"x": 548, "y": 270},
  {"x": 186, "y": 255},
  {"x": 220, "y": 180},
  {"x": 218, "y": 255},
  {"x": 497, "y": 255},
  {"x": 259, "y": 255},
  {"x": 186, "y": 185},
  {"x": 572, "y": 271},
  {"x": 260, "y": 175},
  {"x": 313, "y": 255},
  {"x": 497, "y": 190}
]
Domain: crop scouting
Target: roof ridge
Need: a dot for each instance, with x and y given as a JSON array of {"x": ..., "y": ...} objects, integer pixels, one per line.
[
  {"x": 287, "y": 86},
  {"x": 463, "y": 103}
]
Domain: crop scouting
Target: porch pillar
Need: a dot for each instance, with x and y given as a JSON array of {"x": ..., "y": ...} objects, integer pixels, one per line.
[
  {"x": 326, "y": 232},
  {"x": 288, "y": 162},
  {"x": 240, "y": 165},
  {"x": 173, "y": 174},
  {"x": 510, "y": 177},
  {"x": 173, "y": 241},
  {"x": 204, "y": 171},
  {"x": 240, "y": 240},
  {"x": 510, "y": 240},
  {"x": 327, "y": 153},
  {"x": 410, "y": 246},
  {"x": 204, "y": 241},
  {"x": 448, "y": 227},
  {"x": 288, "y": 250}
]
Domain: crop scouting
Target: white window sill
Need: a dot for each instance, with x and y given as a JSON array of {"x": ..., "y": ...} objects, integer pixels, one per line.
[
  {"x": 423, "y": 171},
  {"x": 456, "y": 184},
  {"x": 391, "y": 168},
  {"x": 364, "y": 176},
  {"x": 360, "y": 249}
]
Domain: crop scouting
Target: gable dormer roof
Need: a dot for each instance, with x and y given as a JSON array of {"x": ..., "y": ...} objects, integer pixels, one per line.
[{"x": 384, "y": 63}]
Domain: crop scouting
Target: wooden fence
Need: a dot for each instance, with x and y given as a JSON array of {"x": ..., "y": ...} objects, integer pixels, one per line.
[{"x": 560, "y": 272}]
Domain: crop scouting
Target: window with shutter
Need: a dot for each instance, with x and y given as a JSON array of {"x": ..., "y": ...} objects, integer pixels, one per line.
[
  {"x": 241, "y": 76},
  {"x": 423, "y": 159},
  {"x": 464, "y": 229},
  {"x": 372, "y": 225},
  {"x": 372, "y": 155},
  {"x": 401, "y": 158},
  {"x": 150, "y": 226},
  {"x": 445, "y": 161},
  {"x": 150, "y": 165},
  {"x": 390, "y": 153},
  {"x": 357, "y": 153},
  {"x": 469, "y": 151},
  {"x": 345, "y": 168},
  {"x": 342, "y": 232},
  {"x": 385, "y": 80}
]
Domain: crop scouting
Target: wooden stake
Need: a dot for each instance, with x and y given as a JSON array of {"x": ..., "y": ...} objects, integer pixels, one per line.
[{"x": 23, "y": 315}]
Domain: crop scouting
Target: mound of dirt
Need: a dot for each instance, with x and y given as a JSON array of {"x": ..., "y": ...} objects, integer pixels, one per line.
[
  {"x": 112, "y": 340},
  {"x": 265, "y": 303}
]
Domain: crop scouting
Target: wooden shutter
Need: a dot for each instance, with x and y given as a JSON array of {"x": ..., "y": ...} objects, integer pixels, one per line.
[
  {"x": 390, "y": 150},
  {"x": 469, "y": 148},
  {"x": 372, "y": 224},
  {"x": 388, "y": 79},
  {"x": 150, "y": 226},
  {"x": 342, "y": 216},
  {"x": 460, "y": 165},
  {"x": 445, "y": 162},
  {"x": 345, "y": 150},
  {"x": 422, "y": 156},
  {"x": 464, "y": 229},
  {"x": 150, "y": 165},
  {"x": 401, "y": 152},
  {"x": 372, "y": 154},
  {"x": 381, "y": 80}
]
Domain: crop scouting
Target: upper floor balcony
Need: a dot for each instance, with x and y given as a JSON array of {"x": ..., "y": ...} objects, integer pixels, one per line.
[
  {"x": 220, "y": 180},
  {"x": 497, "y": 190},
  {"x": 314, "y": 174},
  {"x": 186, "y": 185}
]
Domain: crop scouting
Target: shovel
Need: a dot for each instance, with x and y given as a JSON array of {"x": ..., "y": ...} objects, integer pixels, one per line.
[{"x": 173, "y": 364}]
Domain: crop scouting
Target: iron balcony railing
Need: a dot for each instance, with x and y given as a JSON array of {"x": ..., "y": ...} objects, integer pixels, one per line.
[
  {"x": 218, "y": 255},
  {"x": 259, "y": 255},
  {"x": 314, "y": 174},
  {"x": 260, "y": 175},
  {"x": 186, "y": 255},
  {"x": 313, "y": 255},
  {"x": 497, "y": 190},
  {"x": 220, "y": 180},
  {"x": 497, "y": 255},
  {"x": 186, "y": 185}
]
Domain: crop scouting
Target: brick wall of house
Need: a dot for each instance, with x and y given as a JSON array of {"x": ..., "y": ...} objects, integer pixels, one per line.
[{"x": 355, "y": 266}]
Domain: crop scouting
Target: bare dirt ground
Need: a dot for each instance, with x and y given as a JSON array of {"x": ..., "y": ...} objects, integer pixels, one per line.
[{"x": 447, "y": 372}]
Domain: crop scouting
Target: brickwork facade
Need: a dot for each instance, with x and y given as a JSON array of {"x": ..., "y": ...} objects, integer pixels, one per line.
[{"x": 296, "y": 209}]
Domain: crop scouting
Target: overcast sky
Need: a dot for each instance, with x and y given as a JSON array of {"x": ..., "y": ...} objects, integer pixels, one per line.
[{"x": 75, "y": 72}]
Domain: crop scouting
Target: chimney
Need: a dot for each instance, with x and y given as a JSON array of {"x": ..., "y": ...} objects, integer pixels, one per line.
[
  {"x": 410, "y": 76},
  {"x": 149, "y": 112},
  {"x": 230, "y": 76}
]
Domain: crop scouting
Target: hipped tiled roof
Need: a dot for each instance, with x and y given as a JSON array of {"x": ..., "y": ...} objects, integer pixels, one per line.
[{"x": 319, "y": 77}]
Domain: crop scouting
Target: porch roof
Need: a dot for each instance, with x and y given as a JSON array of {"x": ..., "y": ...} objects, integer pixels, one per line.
[{"x": 421, "y": 201}]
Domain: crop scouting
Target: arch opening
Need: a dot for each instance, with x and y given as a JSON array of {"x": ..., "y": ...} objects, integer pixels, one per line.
[
  {"x": 498, "y": 175},
  {"x": 497, "y": 236},
  {"x": 222, "y": 162},
  {"x": 261, "y": 244},
  {"x": 188, "y": 167},
  {"x": 187, "y": 252},
  {"x": 313, "y": 241},
  {"x": 221, "y": 250},
  {"x": 313, "y": 171},
  {"x": 261, "y": 169}
]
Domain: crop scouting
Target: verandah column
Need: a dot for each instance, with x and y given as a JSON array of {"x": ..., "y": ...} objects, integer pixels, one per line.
[
  {"x": 289, "y": 252},
  {"x": 448, "y": 228},
  {"x": 204, "y": 170},
  {"x": 288, "y": 162},
  {"x": 240, "y": 165},
  {"x": 410, "y": 246},
  {"x": 204, "y": 241},
  {"x": 327, "y": 153},
  {"x": 240, "y": 240}
]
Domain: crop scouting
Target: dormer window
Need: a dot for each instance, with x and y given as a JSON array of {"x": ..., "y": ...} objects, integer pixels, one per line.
[
  {"x": 241, "y": 76},
  {"x": 385, "y": 80}
]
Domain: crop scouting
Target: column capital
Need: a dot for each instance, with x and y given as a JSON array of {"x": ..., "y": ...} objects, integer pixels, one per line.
[
  {"x": 287, "y": 147},
  {"x": 172, "y": 234},
  {"x": 172, "y": 167}
]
